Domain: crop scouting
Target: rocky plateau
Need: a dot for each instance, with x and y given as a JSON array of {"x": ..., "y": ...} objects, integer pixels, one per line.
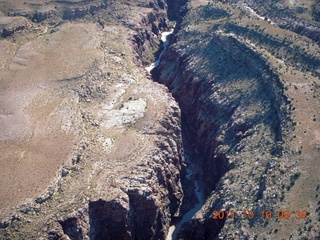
[{"x": 93, "y": 146}]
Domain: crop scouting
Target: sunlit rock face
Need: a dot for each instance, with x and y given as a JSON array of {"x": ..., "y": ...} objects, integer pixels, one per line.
[{"x": 90, "y": 146}]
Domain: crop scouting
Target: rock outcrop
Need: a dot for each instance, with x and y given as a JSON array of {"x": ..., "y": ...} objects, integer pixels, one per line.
[
  {"x": 79, "y": 12},
  {"x": 65, "y": 10},
  {"x": 175, "y": 9},
  {"x": 11, "y": 25}
]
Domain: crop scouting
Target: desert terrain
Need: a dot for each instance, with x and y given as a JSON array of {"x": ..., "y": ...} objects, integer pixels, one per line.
[{"x": 94, "y": 146}]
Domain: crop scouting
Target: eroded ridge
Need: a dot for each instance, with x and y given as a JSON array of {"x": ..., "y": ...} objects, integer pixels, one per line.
[{"x": 239, "y": 85}]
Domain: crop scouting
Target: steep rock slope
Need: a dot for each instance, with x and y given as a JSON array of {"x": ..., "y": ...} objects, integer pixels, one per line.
[{"x": 236, "y": 89}]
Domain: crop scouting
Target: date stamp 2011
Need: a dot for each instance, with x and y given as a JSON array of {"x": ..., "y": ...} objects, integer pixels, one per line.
[{"x": 265, "y": 214}]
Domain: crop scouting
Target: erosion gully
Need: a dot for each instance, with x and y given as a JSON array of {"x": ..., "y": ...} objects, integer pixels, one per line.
[{"x": 192, "y": 159}]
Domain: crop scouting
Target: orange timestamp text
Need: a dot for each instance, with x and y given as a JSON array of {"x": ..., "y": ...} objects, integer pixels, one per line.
[{"x": 265, "y": 214}]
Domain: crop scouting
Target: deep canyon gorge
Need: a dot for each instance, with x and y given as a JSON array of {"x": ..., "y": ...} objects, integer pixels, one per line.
[{"x": 143, "y": 119}]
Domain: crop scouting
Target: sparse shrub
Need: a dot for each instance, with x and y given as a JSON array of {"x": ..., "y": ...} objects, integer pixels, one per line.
[
  {"x": 294, "y": 177},
  {"x": 282, "y": 196}
]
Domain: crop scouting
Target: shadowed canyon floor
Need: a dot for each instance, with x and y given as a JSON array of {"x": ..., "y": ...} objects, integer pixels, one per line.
[{"x": 92, "y": 146}]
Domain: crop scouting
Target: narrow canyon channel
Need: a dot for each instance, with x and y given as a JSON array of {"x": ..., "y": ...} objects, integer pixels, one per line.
[
  {"x": 193, "y": 173},
  {"x": 192, "y": 159},
  {"x": 165, "y": 43}
]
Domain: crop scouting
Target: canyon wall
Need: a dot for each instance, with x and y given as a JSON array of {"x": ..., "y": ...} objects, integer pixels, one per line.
[{"x": 235, "y": 100}]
